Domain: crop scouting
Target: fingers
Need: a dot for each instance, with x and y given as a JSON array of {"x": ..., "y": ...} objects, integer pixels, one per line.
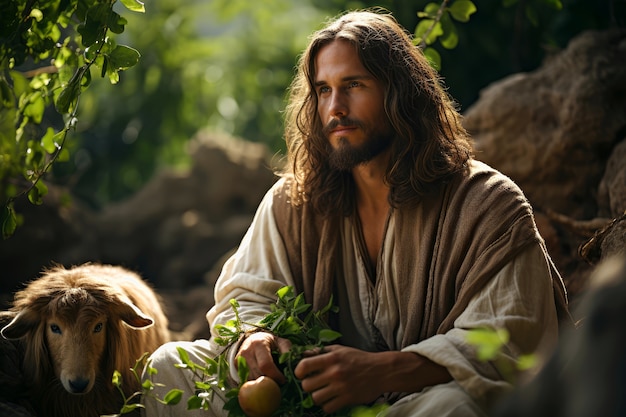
[{"x": 257, "y": 349}]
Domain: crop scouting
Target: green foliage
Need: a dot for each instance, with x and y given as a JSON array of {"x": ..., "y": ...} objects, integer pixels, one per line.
[
  {"x": 48, "y": 51},
  {"x": 490, "y": 344},
  {"x": 131, "y": 403},
  {"x": 438, "y": 24},
  {"x": 223, "y": 64},
  {"x": 290, "y": 318}
]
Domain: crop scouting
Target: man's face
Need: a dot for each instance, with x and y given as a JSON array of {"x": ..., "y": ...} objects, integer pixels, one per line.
[{"x": 350, "y": 106}]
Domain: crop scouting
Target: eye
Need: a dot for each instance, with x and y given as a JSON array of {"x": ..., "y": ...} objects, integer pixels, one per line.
[
  {"x": 55, "y": 329},
  {"x": 98, "y": 328},
  {"x": 323, "y": 89},
  {"x": 354, "y": 84}
]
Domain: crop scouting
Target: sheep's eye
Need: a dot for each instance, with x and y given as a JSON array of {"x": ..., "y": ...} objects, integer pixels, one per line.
[
  {"x": 98, "y": 328},
  {"x": 55, "y": 329}
]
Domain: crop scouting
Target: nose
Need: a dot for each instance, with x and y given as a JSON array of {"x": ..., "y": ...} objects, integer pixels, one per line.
[
  {"x": 78, "y": 385},
  {"x": 338, "y": 105}
]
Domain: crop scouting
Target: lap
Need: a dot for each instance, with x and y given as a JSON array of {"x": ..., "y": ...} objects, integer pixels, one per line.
[{"x": 445, "y": 400}]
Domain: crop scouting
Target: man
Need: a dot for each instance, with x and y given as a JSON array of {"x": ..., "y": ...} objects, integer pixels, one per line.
[{"x": 383, "y": 207}]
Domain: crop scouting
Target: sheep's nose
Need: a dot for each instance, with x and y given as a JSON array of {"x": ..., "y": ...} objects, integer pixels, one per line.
[{"x": 78, "y": 385}]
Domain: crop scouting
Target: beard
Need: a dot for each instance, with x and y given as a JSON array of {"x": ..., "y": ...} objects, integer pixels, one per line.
[{"x": 346, "y": 156}]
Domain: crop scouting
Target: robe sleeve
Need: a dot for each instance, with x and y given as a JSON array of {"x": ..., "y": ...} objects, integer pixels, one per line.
[
  {"x": 520, "y": 299},
  {"x": 254, "y": 273}
]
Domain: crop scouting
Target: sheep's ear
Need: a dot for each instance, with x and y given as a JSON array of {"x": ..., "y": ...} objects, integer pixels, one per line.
[
  {"x": 133, "y": 316},
  {"x": 25, "y": 321}
]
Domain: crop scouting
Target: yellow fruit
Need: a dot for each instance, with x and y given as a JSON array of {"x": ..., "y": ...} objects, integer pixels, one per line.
[{"x": 259, "y": 398}]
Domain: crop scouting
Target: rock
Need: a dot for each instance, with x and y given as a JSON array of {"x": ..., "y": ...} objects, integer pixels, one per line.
[
  {"x": 552, "y": 129},
  {"x": 558, "y": 132}
]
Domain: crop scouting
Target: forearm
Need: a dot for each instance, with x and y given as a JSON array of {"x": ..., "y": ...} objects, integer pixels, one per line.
[{"x": 408, "y": 372}]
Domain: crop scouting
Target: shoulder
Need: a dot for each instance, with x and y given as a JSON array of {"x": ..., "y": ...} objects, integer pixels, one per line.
[{"x": 483, "y": 185}]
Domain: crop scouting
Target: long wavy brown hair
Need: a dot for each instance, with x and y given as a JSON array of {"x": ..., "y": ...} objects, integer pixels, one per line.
[{"x": 430, "y": 142}]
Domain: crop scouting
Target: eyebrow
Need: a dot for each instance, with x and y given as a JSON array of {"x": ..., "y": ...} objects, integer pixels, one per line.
[{"x": 345, "y": 79}]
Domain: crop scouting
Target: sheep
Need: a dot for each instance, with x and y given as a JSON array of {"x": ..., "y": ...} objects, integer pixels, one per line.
[{"x": 77, "y": 326}]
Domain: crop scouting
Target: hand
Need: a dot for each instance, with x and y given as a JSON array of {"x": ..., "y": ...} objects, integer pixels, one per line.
[
  {"x": 257, "y": 349},
  {"x": 340, "y": 376}
]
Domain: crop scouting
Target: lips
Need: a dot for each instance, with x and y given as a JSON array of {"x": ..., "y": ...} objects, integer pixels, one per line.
[{"x": 342, "y": 129}]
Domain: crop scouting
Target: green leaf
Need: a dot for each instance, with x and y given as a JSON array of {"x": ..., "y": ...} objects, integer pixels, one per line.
[
  {"x": 5, "y": 93},
  {"x": 433, "y": 57},
  {"x": 526, "y": 362},
  {"x": 531, "y": 15},
  {"x": 184, "y": 356},
  {"x": 488, "y": 342},
  {"x": 134, "y": 5},
  {"x": 173, "y": 397},
  {"x": 35, "y": 196},
  {"x": 462, "y": 9},
  {"x": 509, "y": 3},
  {"x": 63, "y": 156},
  {"x": 242, "y": 369},
  {"x": 327, "y": 335},
  {"x": 284, "y": 291},
  {"x": 9, "y": 221},
  {"x": 116, "y": 23},
  {"x": 128, "y": 408},
  {"x": 194, "y": 403},
  {"x": 48, "y": 143},
  {"x": 430, "y": 11},
  {"x": 67, "y": 99},
  {"x": 425, "y": 26},
  {"x": 450, "y": 37}
]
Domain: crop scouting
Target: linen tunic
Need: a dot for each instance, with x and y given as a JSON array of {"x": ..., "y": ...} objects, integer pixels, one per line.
[{"x": 523, "y": 294}]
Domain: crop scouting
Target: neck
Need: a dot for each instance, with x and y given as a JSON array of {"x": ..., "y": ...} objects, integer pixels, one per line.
[{"x": 371, "y": 191}]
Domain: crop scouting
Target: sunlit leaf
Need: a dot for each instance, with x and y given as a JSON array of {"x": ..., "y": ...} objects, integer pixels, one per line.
[
  {"x": 450, "y": 37},
  {"x": 433, "y": 57},
  {"x": 429, "y": 30},
  {"x": 134, "y": 5},
  {"x": 173, "y": 397},
  {"x": 123, "y": 57},
  {"x": 461, "y": 10},
  {"x": 430, "y": 11},
  {"x": 47, "y": 141},
  {"x": 328, "y": 335},
  {"x": 488, "y": 342},
  {"x": 127, "y": 408}
]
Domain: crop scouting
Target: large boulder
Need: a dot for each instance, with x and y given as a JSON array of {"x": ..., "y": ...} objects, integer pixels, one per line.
[{"x": 560, "y": 133}]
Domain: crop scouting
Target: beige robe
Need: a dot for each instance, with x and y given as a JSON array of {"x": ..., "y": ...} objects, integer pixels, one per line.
[{"x": 467, "y": 257}]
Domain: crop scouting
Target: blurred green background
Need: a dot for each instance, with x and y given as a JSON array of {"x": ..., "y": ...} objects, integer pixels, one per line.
[{"x": 225, "y": 65}]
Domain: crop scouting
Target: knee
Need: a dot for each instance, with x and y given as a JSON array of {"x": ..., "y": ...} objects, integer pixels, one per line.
[
  {"x": 163, "y": 358},
  {"x": 448, "y": 400}
]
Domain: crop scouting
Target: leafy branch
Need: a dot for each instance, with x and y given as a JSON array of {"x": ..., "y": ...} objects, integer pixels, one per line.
[
  {"x": 438, "y": 22},
  {"x": 291, "y": 318},
  {"x": 47, "y": 53}
]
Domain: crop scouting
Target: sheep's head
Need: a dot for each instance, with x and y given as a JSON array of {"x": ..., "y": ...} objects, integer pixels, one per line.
[{"x": 76, "y": 324}]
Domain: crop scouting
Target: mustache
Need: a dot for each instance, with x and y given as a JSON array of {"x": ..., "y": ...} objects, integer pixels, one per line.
[{"x": 344, "y": 121}]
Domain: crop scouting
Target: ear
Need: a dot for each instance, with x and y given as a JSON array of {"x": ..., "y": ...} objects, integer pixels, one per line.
[
  {"x": 133, "y": 316},
  {"x": 25, "y": 321}
]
